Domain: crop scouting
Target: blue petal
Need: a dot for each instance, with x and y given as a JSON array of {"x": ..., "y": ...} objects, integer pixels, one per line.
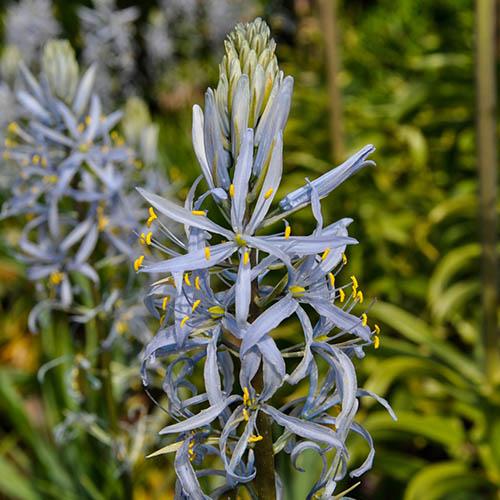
[{"x": 267, "y": 321}]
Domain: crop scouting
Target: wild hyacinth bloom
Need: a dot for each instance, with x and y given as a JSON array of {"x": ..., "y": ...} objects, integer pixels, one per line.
[
  {"x": 108, "y": 43},
  {"x": 226, "y": 287},
  {"x": 73, "y": 182}
]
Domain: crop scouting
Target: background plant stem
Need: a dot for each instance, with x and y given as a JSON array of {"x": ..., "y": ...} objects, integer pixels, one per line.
[
  {"x": 328, "y": 18},
  {"x": 487, "y": 166}
]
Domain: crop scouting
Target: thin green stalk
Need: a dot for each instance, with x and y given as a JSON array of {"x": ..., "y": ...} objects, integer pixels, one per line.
[
  {"x": 328, "y": 15},
  {"x": 487, "y": 166}
]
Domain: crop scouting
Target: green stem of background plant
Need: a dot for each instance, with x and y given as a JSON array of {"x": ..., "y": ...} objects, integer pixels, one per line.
[{"x": 487, "y": 165}]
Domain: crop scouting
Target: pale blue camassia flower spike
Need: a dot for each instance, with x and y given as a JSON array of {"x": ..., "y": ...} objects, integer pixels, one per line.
[
  {"x": 108, "y": 42},
  {"x": 226, "y": 286},
  {"x": 73, "y": 180}
]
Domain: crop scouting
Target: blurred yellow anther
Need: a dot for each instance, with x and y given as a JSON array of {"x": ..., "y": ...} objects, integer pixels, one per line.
[
  {"x": 246, "y": 396},
  {"x": 341, "y": 295},
  {"x": 88, "y": 120},
  {"x": 50, "y": 179},
  {"x": 354, "y": 281},
  {"x": 13, "y": 127},
  {"x": 162, "y": 317},
  {"x": 148, "y": 238},
  {"x": 216, "y": 311},
  {"x": 152, "y": 217},
  {"x": 321, "y": 338},
  {"x": 360, "y": 297},
  {"x": 80, "y": 127},
  {"x": 164, "y": 302},
  {"x": 364, "y": 319},
  {"x": 344, "y": 259},
  {"x": 377, "y": 329},
  {"x": 138, "y": 262},
  {"x": 198, "y": 212},
  {"x": 246, "y": 258},
  {"x": 102, "y": 221},
  {"x": 121, "y": 327},
  {"x": 196, "y": 303},
  {"x": 296, "y": 289},
  {"x": 36, "y": 159},
  {"x": 376, "y": 341},
  {"x": 325, "y": 254},
  {"x": 56, "y": 277},
  {"x": 239, "y": 240},
  {"x": 207, "y": 253},
  {"x": 331, "y": 277},
  {"x": 245, "y": 414},
  {"x": 184, "y": 320},
  {"x": 254, "y": 439},
  {"x": 186, "y": 279},
  {"x": 268, "y": 193},
  {"x": 142, "y": 239},
  {"x": 288, "y": 232},
  {"x": 231, "y": 190},
  {"x": 43, "y": 162},
  {"x": 197, "y": 283}
]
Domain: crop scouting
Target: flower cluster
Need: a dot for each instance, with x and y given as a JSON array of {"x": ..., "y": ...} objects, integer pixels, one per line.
[
  {"x": 108, "y": 42},
  {"x": 228, "y": 285},
  {"x": 72, "y": 182}
]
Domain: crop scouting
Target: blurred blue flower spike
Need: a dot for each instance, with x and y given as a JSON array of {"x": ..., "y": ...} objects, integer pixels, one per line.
[
  {"x": 225, "y": 289},
  {"x": 72, "y": 179}
]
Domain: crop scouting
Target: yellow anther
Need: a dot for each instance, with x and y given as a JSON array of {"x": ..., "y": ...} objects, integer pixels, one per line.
[
  {"x": 186, "y": 279},
  {"x": 36, "y": 159},
  {"x": 360, "y": 297},
  {"x": 376, "y": 341},
  {"x": 245, "y": 414},
  {"x": 344, "y": 259},
  {"x": 268, "y": 193},
  {"x": 162, "y": 317},
  {"x": 288, "y": 232},
  {"x": 364, "y": 319},
  {"x": 239, "y": 240},
  {"x": 121, "y": 327},
  {"x": 184, "y": 320},
  {"x": 197, "y": 283},
  {"x": 246, "y": 396},
  {"x": 377, "y": 329},
  {"x": 331, "y": 277},
  {"x": 325, "y": 254},
  {"x": 138, "y": 262},
  {"x": 56, "y": 277},
  {"x": 321, "y": 338},
  {"x": 354, "y": 281},
  {"x": 216, "y": 311},
  {"x": 246, "y": 258},
  {"x": 196, "y": 303},
  {"x": 207, "y": 253},
  {"x": 142, "y": 239},
  {"x": 13, "y": 127},
  {"x": 297, "y": 290},
  {"x": 164, "y": 302},
  {"x": 254, "y": 439},
  {"x": 341, "y": 295},
  {"x": 43, "y": 162},
  {"x": 148, "y": 238},
  {"x": 102, "y": 221},
  {"x": 231, "y": 190},
  {"x": 198, "y": 212},
  {"x": 88, "y": 120},
  {"x": 152, "y": 217},
  {"x": 50, "y": 179},
  {"x": 84, "y": 147},
  {"x": 80, "y": 128}
]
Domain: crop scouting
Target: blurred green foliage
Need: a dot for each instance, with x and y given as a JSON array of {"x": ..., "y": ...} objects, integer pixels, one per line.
[{"x": 407, "y": 87}]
